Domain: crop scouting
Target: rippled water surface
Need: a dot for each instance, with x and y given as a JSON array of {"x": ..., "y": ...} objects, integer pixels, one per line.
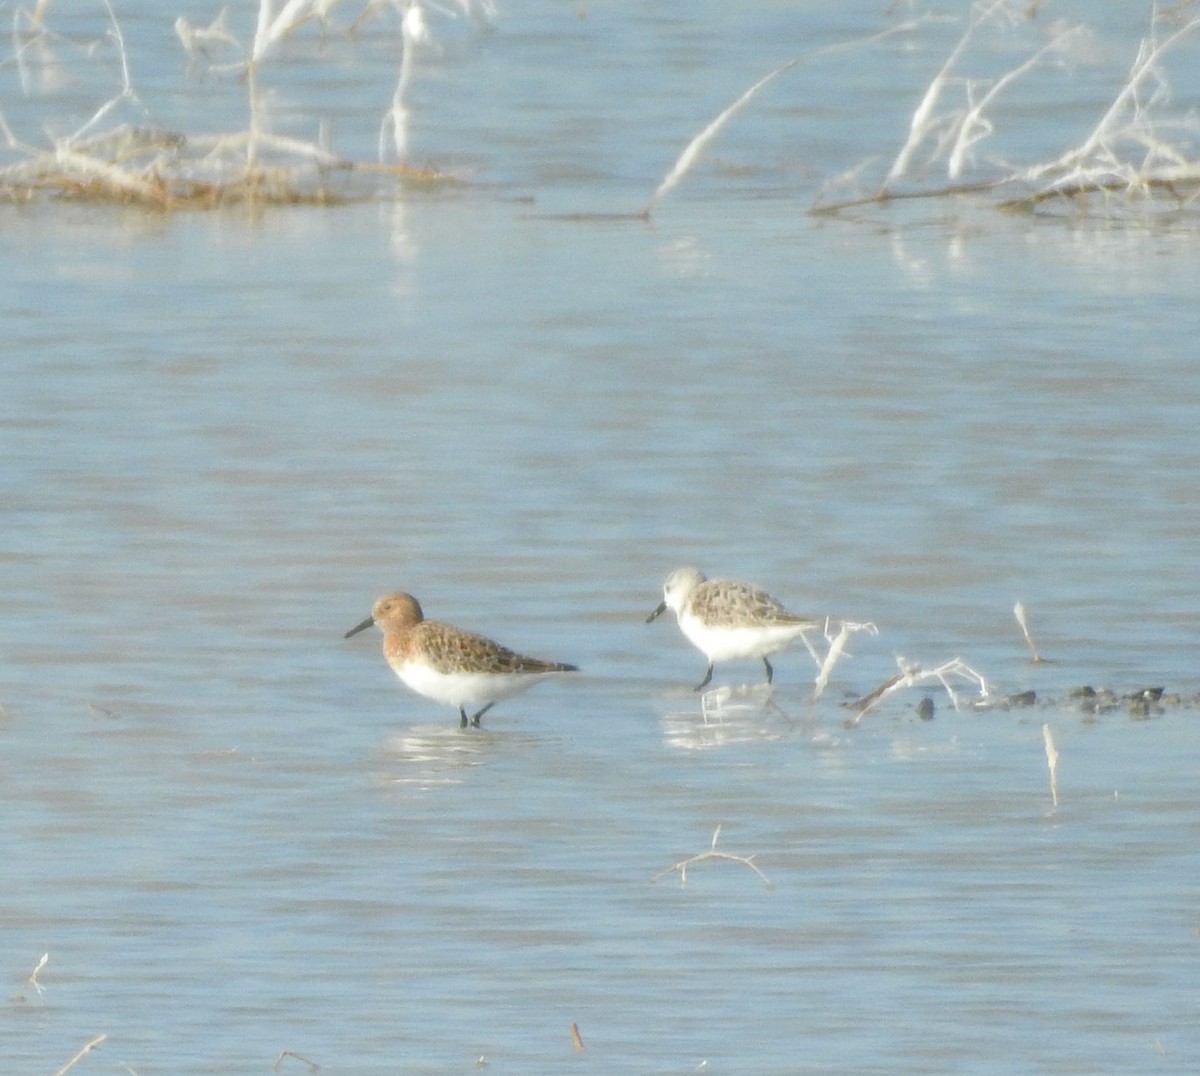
[{"x": 236, "y": 834}]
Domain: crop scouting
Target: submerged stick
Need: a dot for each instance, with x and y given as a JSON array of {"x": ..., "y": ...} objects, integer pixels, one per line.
[
  {"x": 312, "y": 1065},
  {"x": 884, "y": 196}
]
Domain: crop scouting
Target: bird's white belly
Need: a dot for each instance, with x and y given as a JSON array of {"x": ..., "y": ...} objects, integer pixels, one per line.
[
  {"x": 727, "y": 643},
  {"x": 463, "y": 688}
]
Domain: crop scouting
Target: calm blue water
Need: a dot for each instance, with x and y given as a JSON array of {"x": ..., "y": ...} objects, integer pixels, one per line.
[{"x": 236, "y": 834}]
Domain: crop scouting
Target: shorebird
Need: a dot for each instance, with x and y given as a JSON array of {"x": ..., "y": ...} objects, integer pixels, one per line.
[
  {"x": 450, "y": 665},
  {"x": 725, "y": 619}
]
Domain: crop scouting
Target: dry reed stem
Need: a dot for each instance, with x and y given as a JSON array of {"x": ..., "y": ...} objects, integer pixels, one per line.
[
  {"x": 73, "y": 173},
  {"x": 712, "y": 853},
  {"x": 1052, "y": 762},
  {"x": 576, "y": 1039},
  {"x": 86, "y": 1049},
  {"x": 1102, "y": 164},
  {"x": 131, "y": 166},
  {"x": 1144, "y": 65},
  {"x": 972, "y": 126},
  {"x": 919, "y": 124}
]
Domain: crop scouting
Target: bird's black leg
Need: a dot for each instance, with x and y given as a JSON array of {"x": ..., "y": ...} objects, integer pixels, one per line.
[
  {"x": 770, "y": 671},
  {"x": 475, "y": 719},
  {"x": 705, "y": 682},
  {"x": 463, "y": 714}
]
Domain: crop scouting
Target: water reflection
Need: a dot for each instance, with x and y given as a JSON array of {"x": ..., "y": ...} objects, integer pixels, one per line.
[
  {"x": 403, "y": 243},
  {"x": 726, "y": 715},
  {"x": 430, "y": 756},
  {"x": 435, "y": 756}
]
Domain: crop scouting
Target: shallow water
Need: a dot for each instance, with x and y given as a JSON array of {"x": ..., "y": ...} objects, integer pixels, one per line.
[{"x": 236, "y": 834}]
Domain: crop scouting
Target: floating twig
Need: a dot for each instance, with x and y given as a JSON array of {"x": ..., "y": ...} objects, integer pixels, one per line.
[
  {"x": 86, "y": 1049},
  {"x": 712, "y": 853}
]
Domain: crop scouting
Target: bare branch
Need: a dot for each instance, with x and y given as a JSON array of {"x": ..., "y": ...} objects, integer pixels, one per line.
[{"x": 712, "y": 853}]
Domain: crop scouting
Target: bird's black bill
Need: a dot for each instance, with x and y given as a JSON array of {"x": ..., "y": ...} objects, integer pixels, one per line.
[
  {"x": 662, "y": 608},
  {"x": 361, "y": 627}
]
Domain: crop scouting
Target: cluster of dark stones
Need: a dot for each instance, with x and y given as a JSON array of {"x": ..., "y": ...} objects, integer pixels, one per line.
[{"x": 1144, "y": 703}]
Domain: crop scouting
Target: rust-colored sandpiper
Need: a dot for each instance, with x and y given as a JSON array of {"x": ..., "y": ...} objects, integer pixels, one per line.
[{"x": 450, "y": 665}]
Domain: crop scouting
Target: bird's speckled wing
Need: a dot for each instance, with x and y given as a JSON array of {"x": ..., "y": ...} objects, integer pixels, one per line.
[
  {"x": 725, "y": 603},
  {"x": 453, "y": 650}
]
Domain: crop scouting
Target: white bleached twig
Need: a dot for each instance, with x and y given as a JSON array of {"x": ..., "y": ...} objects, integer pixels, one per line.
[
  {"x": 973, "y": 126},
  {"x": 836, "y": 648},
  {"x": 413, "y": 32},
  {"x": 1145, "y": 64},
  {"x": 272, "y": 28},
  {"x": 712, "y": 853},
  {"x": 922, "y": 117},
  {"x": 912, "y": 674},
  {"x": 1019, "y": 613},
  {"x": 127, "y": 92},
  {"x": 86, "y": 1049},
  {"x": 33, "y": 975},
  {"x": 693, "y": 149}
]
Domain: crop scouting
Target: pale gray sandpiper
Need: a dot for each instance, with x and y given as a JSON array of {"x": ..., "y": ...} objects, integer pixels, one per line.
[
  {"x": 725, "y": 619},
  {"x": 447, "y": 664}
]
